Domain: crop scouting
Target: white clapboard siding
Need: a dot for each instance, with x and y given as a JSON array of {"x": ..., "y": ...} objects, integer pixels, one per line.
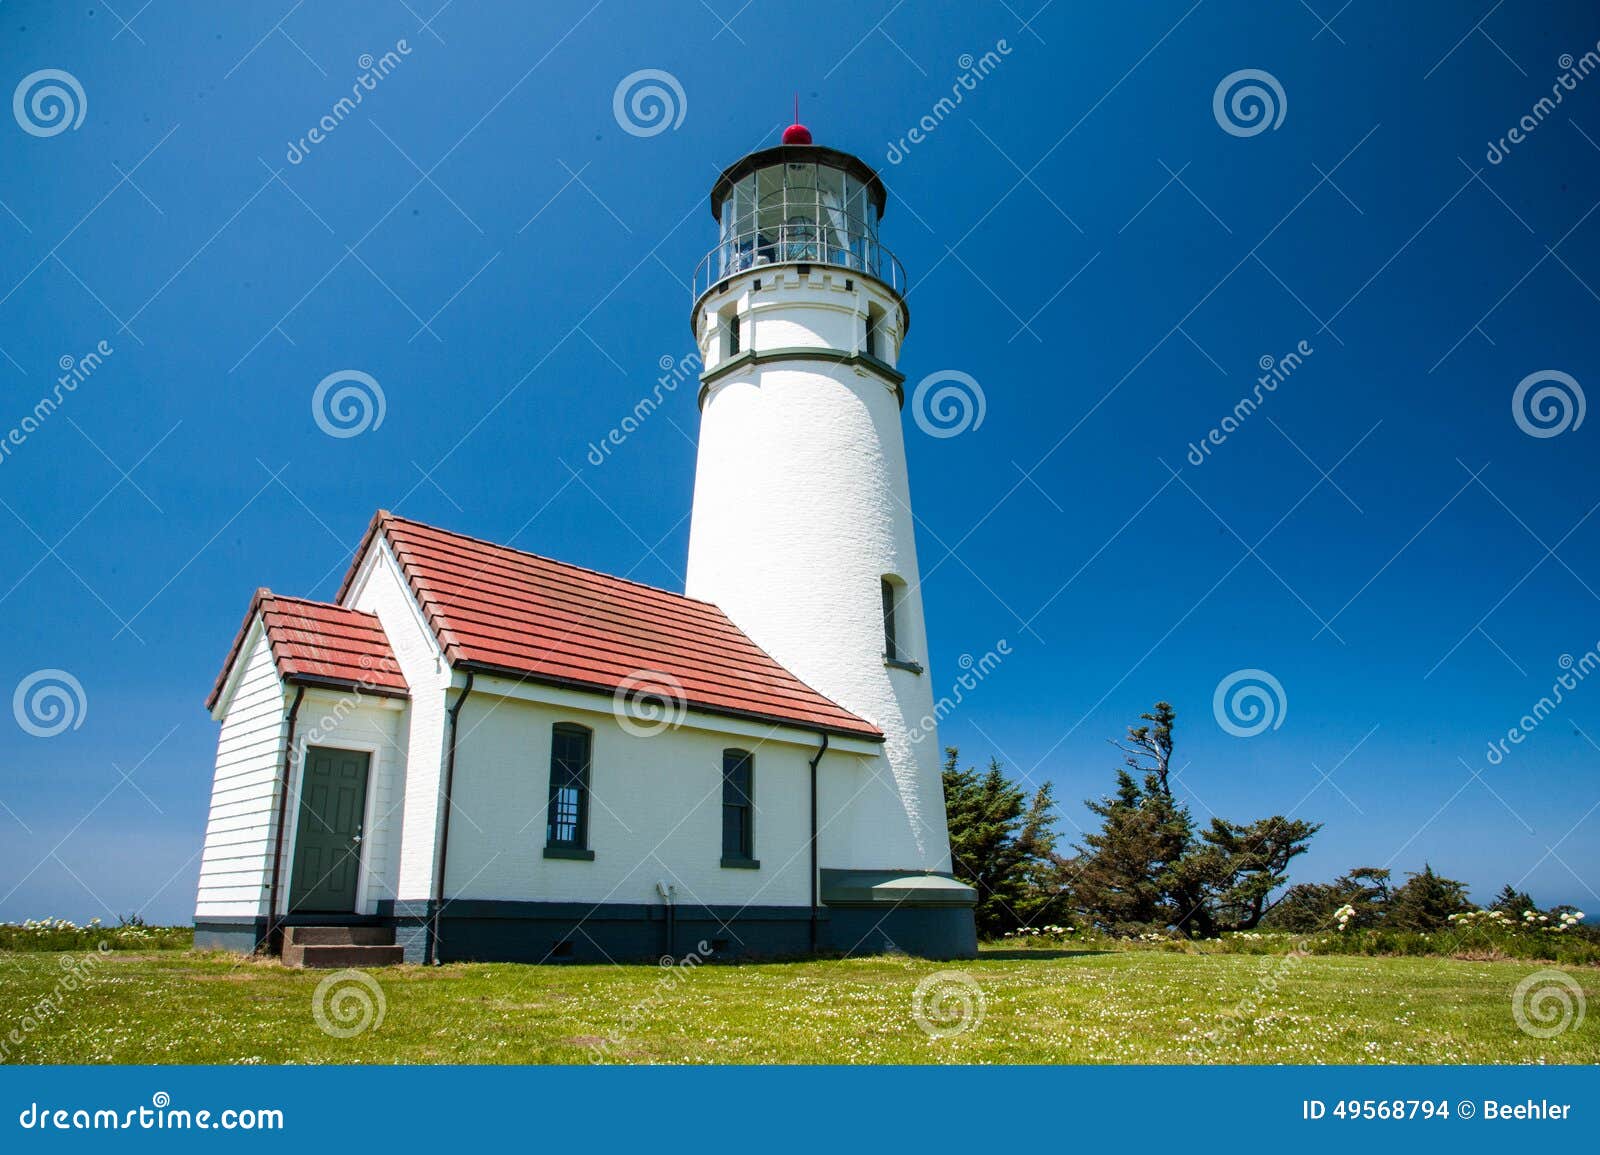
[{"x": 233, "y": 866}]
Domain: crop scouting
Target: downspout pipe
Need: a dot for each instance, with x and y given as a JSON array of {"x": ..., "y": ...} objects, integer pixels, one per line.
[
  {"x": 432, "y": 953},
  {"x": 669, "y": 896},
  {"x": 815, "y": 872},
  {"x": 274, "y": 931}
]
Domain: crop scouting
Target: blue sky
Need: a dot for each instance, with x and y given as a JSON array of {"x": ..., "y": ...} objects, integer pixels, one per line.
[{"x": 1084, "y": 239}]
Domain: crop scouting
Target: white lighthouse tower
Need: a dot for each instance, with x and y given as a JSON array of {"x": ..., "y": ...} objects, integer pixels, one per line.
[{"x": 802, "y": 528}]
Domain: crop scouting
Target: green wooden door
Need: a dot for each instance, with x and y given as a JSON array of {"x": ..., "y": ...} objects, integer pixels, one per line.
[{"x": 327, "y": 844}]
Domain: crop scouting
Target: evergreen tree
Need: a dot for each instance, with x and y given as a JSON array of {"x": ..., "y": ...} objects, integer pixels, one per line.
[
  {"x": 997, "y": 843},
  {"x": 1245, "y": 864},
  {"x": 1512, "y": 901},
  {"x": 1427, "y": 901},
  {"x": 1311, "y": 906},
  {"x": 1146, "y": 866},
  {"x": 1038, "y": 872},
  {"x": 1120, "y": 864}
]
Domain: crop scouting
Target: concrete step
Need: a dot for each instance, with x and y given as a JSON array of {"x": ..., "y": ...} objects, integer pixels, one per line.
[
  {"x": 339, "y": 957},
  {"x": 338, "y": 936}
]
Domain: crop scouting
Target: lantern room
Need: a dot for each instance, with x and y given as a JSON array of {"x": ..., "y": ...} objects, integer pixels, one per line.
[{"x": 798, "y": 203}]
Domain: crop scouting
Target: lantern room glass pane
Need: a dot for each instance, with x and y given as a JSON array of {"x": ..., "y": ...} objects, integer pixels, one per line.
[
  {"x": 769, "y": 214},
  {"x": 801, "y": 176},
  {"x": 801, "y": 224},
  {"x": 835, "y": 222}
]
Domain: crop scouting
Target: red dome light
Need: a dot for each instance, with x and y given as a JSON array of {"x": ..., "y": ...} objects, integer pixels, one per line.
[{"x": 797, "y": 133}]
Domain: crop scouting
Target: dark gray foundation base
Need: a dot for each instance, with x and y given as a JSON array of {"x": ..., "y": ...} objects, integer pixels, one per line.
[
  {"x": 939, "y": 932},
  {"x": 571, "y": 932},
  {"x": 239, "y": 937}
]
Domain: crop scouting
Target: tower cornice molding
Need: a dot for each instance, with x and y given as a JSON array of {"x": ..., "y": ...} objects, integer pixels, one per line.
[{"x": 750, "y": 358}]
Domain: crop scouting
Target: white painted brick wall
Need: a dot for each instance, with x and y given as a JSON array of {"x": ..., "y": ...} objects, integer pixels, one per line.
[
  {"x": 801, "y": 505},
  {"x": 381, "y": 590},
  {"x": 655, "y": 811}
]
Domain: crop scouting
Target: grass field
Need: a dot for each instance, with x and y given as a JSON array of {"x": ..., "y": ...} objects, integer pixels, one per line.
[{"x": 1036, "y": 1007}]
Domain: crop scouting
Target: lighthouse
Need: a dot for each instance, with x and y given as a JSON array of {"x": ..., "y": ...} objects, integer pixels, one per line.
[
  {"x": 452, "y": 676},
  {"x": 802, "y": 526}
]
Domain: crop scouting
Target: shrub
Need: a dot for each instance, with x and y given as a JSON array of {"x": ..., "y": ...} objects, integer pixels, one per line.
[{"x": 59, "y": 934}]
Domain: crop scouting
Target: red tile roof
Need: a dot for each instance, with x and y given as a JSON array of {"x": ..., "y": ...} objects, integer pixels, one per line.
[
  {"x": 501, "y": 610},
  {"x": 314, "y": 643}
]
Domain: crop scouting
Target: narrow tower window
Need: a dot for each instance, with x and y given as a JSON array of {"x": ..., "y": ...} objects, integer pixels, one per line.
[
  {"x": 730, "y": 331},
  {"x": 873, "y": 346},
  {"x": 891, "y": 649}
]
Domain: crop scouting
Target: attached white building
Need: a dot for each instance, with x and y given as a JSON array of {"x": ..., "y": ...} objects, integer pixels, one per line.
[{"x": 499, "y": 756}]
